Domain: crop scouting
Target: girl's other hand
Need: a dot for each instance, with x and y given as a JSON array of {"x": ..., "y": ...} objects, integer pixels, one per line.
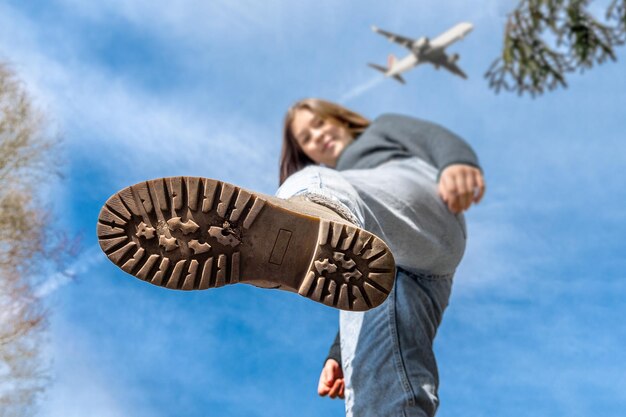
[
  {"x": 461, "y": 185},
  {"x": 331, "y": 380}
]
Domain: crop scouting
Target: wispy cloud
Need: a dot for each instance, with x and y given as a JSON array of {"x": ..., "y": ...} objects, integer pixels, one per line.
[
  {"x": 182, "y": 19},
  {"x": 137, "y": 130}
]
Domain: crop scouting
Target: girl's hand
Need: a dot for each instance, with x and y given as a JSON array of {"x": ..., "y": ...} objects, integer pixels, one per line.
[
  {"x": 461, "y": 185},
  {"x": 331, "y": 380}
]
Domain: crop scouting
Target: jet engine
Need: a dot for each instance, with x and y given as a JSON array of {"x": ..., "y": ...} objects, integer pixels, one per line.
[{"x": 453, "y": 58}]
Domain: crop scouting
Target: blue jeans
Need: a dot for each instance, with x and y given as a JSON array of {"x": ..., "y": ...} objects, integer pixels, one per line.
[
  {"x": 387, "y": 353},
  {"x": 387, "y": 357}
]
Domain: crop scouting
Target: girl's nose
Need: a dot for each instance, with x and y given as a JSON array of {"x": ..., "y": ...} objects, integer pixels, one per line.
[{"x": 317, "y": 135}]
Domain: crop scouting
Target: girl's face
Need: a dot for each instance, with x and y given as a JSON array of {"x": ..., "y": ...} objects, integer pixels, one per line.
[{"x": 322, "y": 140}]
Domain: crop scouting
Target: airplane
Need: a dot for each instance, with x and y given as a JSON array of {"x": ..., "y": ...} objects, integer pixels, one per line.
[{"x": 424, "y": 50}]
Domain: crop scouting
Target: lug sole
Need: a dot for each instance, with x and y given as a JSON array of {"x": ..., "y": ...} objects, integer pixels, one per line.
[{"x": 190, "y": 233}]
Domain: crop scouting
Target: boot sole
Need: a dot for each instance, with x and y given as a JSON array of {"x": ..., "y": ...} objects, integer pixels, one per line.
[{"x": 190, "y": 233}]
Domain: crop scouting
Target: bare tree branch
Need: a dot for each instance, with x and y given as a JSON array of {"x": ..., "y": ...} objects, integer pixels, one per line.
[{"x": 27, "y": 158}]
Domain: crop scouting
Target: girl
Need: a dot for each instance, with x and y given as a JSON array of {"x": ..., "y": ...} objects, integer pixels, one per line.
[{"x": 412, "y": 180}]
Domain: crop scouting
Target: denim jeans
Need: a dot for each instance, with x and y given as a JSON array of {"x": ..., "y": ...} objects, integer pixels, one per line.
[{"x": 387, "y": 357}]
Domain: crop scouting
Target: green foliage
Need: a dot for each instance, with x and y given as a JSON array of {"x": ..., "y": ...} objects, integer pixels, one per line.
[{"x": 546, "y": 39}]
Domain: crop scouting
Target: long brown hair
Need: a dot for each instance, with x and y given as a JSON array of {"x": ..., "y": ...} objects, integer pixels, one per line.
[{"x": 292, "y": 159}]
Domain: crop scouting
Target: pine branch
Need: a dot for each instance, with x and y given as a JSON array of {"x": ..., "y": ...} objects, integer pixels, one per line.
[{"x": 544, "y": 40}]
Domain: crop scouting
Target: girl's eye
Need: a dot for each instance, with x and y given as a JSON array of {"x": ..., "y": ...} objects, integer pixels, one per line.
[{"x": 318, "y": 122}]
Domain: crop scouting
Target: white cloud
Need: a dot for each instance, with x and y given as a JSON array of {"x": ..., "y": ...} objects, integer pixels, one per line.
[
  {"x": 202, "y": 23},
  {"x": 181, "y": 18},
  {"x": 130, "y": 130}
]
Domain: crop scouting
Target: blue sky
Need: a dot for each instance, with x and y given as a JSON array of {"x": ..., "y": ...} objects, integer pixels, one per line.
[{"x": 144, "y": 89}]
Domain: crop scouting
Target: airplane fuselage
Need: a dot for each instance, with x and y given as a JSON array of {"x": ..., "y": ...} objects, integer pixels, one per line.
[{"x": 421, "y": 52}]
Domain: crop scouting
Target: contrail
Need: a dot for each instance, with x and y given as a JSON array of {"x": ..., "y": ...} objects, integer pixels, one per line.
[
  {"x": 85, "y": 261},
  {"x": 360, "y": 89}
]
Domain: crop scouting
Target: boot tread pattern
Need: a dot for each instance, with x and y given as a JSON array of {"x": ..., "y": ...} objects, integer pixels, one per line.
[
  {"x": 351, "y": 269},
  {"x": 180, "y": 232}
]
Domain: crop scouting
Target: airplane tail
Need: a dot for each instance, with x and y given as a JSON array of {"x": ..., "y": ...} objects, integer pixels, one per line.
[
  {"x": 391, "y": 60},
  {"x": 384, "y": 70}
]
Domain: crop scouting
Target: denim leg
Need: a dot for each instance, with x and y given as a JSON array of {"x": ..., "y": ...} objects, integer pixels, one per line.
[
  {"x": 387, "y": 354},
  {"x": 327, "y": 187},
  {"x": 398, "y": 202}
]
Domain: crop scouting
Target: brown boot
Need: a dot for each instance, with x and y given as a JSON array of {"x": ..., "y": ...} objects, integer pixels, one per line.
[{"x": 193, "y": 233}]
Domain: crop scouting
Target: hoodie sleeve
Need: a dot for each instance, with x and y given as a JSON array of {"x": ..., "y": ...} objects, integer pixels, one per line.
[
  {"x": 430, "y": 141},
  {"x": 335, "y": 351}
]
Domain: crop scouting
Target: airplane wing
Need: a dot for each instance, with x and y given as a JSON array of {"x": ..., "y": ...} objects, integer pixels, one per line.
[
  {"x": 406, "y": 42},
  {"x": 453, "y": 68},
  {"x": 454, "y": 34}
]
